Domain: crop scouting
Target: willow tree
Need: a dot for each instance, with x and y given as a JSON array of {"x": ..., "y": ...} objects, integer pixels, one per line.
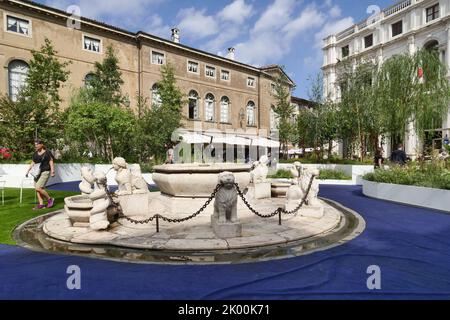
[
  {"x": 359, "y": 121},
  {"x": 412, "y": 89}
]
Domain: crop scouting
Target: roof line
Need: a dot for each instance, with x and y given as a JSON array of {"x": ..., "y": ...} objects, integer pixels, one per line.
[{"x": 136, "y": 35}]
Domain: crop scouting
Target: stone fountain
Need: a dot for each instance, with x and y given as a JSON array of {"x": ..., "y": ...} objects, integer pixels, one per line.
[{"x": 201, "y": 208}]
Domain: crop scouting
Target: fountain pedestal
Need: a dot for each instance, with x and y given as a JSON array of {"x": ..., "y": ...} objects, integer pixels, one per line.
[{"x": 226, "y": 230}]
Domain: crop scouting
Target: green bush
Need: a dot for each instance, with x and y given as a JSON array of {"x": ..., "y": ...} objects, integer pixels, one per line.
[
  {"x": 428, "y": 175},
  {"x": 314, "y": 160},
  {"x": 281, "y": 174},
  {"x": 333, "y": 175}
]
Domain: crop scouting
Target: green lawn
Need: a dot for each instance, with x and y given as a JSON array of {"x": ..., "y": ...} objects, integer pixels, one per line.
[{"x": 12, "y": 213}]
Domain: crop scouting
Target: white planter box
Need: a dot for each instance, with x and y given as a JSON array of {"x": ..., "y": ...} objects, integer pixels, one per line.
[
  {"x": 355, "y": 171},
  {"x": 417, "y": 196}
]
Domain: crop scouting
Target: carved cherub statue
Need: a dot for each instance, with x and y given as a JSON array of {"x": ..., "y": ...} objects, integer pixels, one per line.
[
  {"x": 260, "y": 171},
  {"x": 296, "y": 171},
  {"x": 123, "y": 176},
  {"x": 139, "y": 185},
  {"x": 98, "y": 219},
  {"x": 87, "y": 181},
  {"x": 311, "y": 199}
]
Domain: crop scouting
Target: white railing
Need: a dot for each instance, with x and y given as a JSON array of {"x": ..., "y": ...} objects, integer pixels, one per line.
[
  {"x": 345, "y": 33},
  {"x": 397, "y": 7}
]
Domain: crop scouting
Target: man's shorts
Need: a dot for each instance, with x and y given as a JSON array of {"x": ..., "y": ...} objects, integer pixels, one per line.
[{"x": 43, "y": 179}]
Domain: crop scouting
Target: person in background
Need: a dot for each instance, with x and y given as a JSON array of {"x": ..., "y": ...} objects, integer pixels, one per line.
[
  {"x": 378, "y": 159},
  {"x": 399, "y": 156},
  {"x": 446, "y": 140},
  {"x": 44, "y": 158}
]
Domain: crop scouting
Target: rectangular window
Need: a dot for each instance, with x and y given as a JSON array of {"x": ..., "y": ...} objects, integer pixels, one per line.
[
  {"x": 92, "y": 44},
  {"x": 225, "y": 75},
  {"x": 210, "y": 72},
  {"x": 251, "y": 82},
  {"x": 397, "y": 28},
  {"x": 273, "y": 88},
  {"x": 158, "y": 58},
  {"x": 432, "y": 12},
  {"x": 368, "y": 41},
  {"x": 345, "y": 51},
  {"x": 193, "y": 67},
  {"x": 17, "y": 25}
]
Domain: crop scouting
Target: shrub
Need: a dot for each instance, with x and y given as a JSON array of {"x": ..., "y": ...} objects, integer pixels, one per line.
[
  {"x": 281, "y": 174},
  {"x": 428, "y": 175},
  {"x": 333, "y": 175}
]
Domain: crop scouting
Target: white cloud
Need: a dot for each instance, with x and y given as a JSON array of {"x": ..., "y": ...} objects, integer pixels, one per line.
[
  {"x": 331, "y": 28},
  {"x": 196, "y": 24},
  {"x": 309, "y": 18},
  {"x": 129, "y": 13},
  {"x": 237, "y": 12},
  {"x": 275, "y": 15},
  {"x": 335, "y": 12}
]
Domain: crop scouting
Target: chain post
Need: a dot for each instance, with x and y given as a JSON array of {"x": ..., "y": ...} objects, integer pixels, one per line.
[
  {"x": 157, "y": 223},
  {"x": 279, "y": 217}
]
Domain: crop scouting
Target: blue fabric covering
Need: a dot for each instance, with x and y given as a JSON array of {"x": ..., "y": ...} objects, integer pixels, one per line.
[{"x": 411, "y": 246}]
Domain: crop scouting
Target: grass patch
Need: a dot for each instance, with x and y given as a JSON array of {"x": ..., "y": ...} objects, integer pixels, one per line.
[
  {"x": 281, "y": 174},
  {"x": 333, "y": 175},
  {"x": 12, "y": 213}
]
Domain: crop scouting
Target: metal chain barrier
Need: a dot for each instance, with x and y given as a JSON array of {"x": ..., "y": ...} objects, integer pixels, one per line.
[
  {"x": 278, "y": 211},
  {"x": 156, "y": 217}
]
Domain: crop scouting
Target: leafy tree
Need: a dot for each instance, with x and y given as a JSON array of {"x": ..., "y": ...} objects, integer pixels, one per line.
[
  {"x": 160, "y": 121},
  {"x": 404, "y": 97},
  {"x": 98, "y": 127},
  {"x": 284, "y": 110},
  {"x": 36, "y": 110},
  {"x": 107, "y": 80},
  {"x": 358, "y": 115}
]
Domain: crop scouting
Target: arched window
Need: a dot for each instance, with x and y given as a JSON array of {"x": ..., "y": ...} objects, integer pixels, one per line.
[
  {"x": 17, "y": 77},
  {"x": 193, "y": 105},
  {"x": 251, "y": 113},
  {"x": 209, "y": 107},
  {"x": 88, "y": 80},
  {"x": 224, "y": 109},
  {"x": 156, "y": 97}
]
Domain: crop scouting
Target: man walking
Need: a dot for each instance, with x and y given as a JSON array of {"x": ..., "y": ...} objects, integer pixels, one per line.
[{"x": 399, "y": 156}]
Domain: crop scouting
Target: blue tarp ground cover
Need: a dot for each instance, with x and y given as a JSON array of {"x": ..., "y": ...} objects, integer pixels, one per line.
[{"x": 410, "y": 245}]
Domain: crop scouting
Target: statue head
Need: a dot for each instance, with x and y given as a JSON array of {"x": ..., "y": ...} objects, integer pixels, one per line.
[
  {"x": 264, "y": 160},
  {"x": 86, "y": 174},
  {"x": 226, "y": 179},
  {"x": 136, "y": 169},
  {"x": 119, "y": 163},
  {"x": 297, "y": 164},
  {"x": 100, "y": 178}
]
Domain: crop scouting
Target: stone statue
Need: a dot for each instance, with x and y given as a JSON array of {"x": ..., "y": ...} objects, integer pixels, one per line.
[
  {"x": 225, "y": 204},
  {"x": 123, "y": 176},
  {"x": 260, "y": 171},
  {"x": 98, "y": 219},
  {"x": 87, "y": 181},
  {"x": 224, "y": 220},
  {"x": 311, "y": 199},
  {"x": 139, "y": 185},
  {"x": 296, "y": 171}
]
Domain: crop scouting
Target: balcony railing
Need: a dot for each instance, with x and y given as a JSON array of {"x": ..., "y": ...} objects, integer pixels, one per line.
[
  {"x": 397, "y": 7},
  {"x": 345, "y": 33}
]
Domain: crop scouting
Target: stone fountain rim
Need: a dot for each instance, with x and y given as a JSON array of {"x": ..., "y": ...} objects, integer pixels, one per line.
[{"x": 201, "y": 168}]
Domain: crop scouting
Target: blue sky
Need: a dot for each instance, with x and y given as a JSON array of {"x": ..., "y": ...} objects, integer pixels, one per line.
[{"x": 285, "y": 32}]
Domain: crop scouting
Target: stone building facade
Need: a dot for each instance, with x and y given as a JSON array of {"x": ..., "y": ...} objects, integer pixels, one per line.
[
  {"x": 222, "y": 93},
  {"x": 404, "y": 27}
]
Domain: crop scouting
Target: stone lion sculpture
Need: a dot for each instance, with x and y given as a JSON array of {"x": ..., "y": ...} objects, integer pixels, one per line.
[
  {"x": 98, "y": 219},
  {"x": 138, "y": 184},
  {"x": 225, "y": 204},
  {"x": 296, "y": 171},
  {"x": 87, "y": 181},
  {"x": 260, "y": 171},
  {"x": 311, "y": 199},
  {"x": 123, "y": 176}
]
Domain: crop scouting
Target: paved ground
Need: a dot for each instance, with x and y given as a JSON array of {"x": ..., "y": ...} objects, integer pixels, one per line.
[{"x": 410, "y": 245}]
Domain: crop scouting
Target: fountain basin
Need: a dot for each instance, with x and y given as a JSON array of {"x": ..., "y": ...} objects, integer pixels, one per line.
[
  {"x": 196, "y": 180},
  {"x": 78, "y": 209}
]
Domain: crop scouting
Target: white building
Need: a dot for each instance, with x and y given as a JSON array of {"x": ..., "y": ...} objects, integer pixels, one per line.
[{"x": 403, "y": 27}]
